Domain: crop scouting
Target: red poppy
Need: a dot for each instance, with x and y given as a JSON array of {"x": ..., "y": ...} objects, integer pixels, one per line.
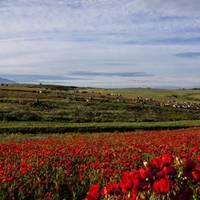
[
  {"x": 23, "y": 171},
  {"x": 167, "y": 159},
  {"x": 145, "y": 173},
  {"x": 111, "y": 188},
  {"x": 198, "y": 191},
  {"x": 184, "y": 195},
  {"x": 134, "y": 195},
  {"x": 126, "y": 182},
  {"x": 196, "y": 174},
  {"x": 189, "y": 165},
  {"x": 198, "y": 158},
  {"x": 170, "y": 170},
  {"x": 157, "y": 163},
  {"x": 94, "y": 192},
  {"x": 162, "y": 186}
]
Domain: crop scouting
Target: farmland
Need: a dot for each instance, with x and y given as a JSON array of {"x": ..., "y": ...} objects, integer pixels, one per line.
[
  {"x": 49, "y": 106},
  {"x": 140, "y": 165}
]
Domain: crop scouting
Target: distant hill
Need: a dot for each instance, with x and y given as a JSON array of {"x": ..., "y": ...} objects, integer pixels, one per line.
[
  {"x": 28, "y": 78},
  {"x": 3, "y": 80}
]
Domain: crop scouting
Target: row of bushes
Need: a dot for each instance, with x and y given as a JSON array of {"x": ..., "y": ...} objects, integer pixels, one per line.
[
  {"x": 85, "y": 117},
  {"x": 89, "y": 129},
  {"x": 20, "y": 116}
]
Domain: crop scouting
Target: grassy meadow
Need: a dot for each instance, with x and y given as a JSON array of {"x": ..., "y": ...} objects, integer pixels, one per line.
[{"x": 47, "y": 108}]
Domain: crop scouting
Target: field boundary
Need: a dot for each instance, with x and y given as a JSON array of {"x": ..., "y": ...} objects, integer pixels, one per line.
[{"x": 61, "y": 127}]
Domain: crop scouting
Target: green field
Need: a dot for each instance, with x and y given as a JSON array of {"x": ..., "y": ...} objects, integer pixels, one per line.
[
  {"x": 180, "y": 95},
  {"x": 59, "y": 127},
  {"x": 38, "y": 108}
]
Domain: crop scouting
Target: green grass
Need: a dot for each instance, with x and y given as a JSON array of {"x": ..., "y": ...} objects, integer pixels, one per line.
[
  {"x": 68, "y": 104},
  {"x": 68, "y": 109},
  {"x": 58, "y": 127},
  {"x": 188, "y": 95}
]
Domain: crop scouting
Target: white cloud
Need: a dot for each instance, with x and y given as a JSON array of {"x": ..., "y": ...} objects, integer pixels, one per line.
[{"x": 56, "y": 37}]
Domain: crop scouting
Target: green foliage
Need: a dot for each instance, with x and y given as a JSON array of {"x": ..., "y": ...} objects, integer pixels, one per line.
[
  {"x": 69, "y": 104},
  {"x": 22, "y": 116},
  {"x": 61, "y": 127}
]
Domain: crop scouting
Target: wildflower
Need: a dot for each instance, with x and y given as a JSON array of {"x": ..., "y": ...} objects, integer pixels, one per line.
[
  {"x": 162, "y": 186},
  {"x": 157, "y": 163},
  {"x": 196, "y": 174},
  {"x": 167, "y": 159},
  {"x": 111, "y": 188},
  {"x": 94, "y": 192}
]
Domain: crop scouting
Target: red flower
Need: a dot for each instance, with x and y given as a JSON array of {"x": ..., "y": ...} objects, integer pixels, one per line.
[
  {"x": 157, "y": 163},
  {"x": 185, "y": 155},
  {"x": 23, "y": 171},
  {"x": 198, "y": 158},
  {"x": 184, "y": 195},
  {"x": 111, "y": 188},
  {"x": 134, "y": 195},
  {"x": 162, "y": 186},
  {"x": 196, "y": 174},
  {"x": 57, "y": 187},
  {"x": 198, "y": 191},
  {"x": 126, "y": 182},
  {"x": 167, "y": 159},
  {"x": 145, "y": 173},
  {"x": 136, "y": 178},
  {"x": 94, "y": 192},
  {"x": 169, "y": 170},
  {"x": 160, "y": 174},
  {"x": 189, "y": 165}
]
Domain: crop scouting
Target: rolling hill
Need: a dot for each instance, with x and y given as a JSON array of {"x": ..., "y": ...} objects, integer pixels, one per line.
[{"x": 3, "y": 80}]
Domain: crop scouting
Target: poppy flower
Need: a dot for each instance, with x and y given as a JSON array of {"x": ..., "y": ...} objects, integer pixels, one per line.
[
  {"x": 189, "y": 165},
  {"x": 184, "y": 195},
  {"x": 198, "y": 158},
  {"x": 196, "y": 174},
  {"x": 94, "y": 192},
  {"x": 162, "y": 186},
  {"x": 198, "y": 191},
  {"x": 146, "y": 173},
  {"x": 170, "y": 170},
  {"x": 167, "y": 159},
  {"x": 126, "y": 182},
  {"x": 111, "y": 188},
  {"x": 157, "y": 163}
]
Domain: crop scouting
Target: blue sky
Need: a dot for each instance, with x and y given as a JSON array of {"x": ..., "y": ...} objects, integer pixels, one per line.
[{"x": 102, "y": 43}]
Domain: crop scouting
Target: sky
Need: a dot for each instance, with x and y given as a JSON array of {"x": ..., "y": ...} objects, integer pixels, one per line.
[{"x": 101, "y": 43}]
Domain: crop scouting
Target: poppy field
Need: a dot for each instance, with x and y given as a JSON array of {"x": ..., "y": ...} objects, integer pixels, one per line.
[{"x": 135, "y": 165}]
